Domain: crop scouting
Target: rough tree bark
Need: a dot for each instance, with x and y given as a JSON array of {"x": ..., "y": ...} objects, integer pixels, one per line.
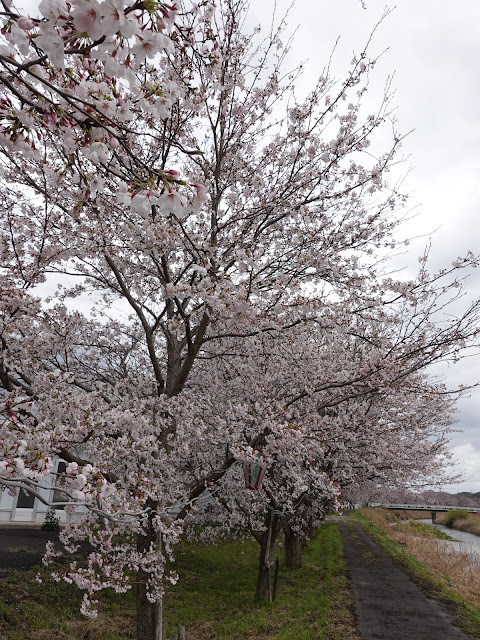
[
  {"x": 150, "y": 620},
  {"x": 267, "y": 539},
  {"x": 293, "y": 548}
]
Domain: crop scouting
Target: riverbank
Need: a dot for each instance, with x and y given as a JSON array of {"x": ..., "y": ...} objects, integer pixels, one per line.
[
  {"x": 458, "y": 540},
  {"x": 447, "y": 573},
  {"x": 461, "y": 520}
]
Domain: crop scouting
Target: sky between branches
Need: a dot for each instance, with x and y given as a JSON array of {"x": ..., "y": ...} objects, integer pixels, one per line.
[{"x": 433, "y": 50}]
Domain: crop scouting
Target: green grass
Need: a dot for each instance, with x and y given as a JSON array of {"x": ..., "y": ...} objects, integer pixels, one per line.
[
  {"x": 469, "y": 614},
  {"x": 456, "y": 514},
  {"x": 213, "y": 599},
  {"x": 51, "y": 610},
  {"x": 423, "y": 530}
]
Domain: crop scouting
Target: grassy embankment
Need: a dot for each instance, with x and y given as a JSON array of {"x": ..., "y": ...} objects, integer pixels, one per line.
[
  {"x": 450, "y": 575},
  {"x": 213, "y": 599},
  {"x": 462, "y": 520}
]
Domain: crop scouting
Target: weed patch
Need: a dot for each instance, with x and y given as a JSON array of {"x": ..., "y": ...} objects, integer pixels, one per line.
[{"x": 422, "y": 530}]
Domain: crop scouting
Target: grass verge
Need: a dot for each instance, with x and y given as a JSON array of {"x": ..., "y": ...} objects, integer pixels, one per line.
[
  {"x": 213, "y": 599},
  {"x": 445, "y": 574},
  {"x": 51, "y": 610}
]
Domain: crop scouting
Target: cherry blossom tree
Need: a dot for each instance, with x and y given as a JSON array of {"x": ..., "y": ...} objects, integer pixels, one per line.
[
  {"x": 79, "y": 94},
  {"x": 225, "y": 244},
  {"x": 353, "y": 417}
]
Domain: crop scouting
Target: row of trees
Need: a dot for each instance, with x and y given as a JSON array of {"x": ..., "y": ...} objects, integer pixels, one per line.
[
  {"x": 427, "y": 497},
  {"x": 214, "y": 250}
]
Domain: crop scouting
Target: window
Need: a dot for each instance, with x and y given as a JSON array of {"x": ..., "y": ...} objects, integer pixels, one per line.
[
  {"x": 25, "y": 500},
  {"x": 58, "y": 495}
]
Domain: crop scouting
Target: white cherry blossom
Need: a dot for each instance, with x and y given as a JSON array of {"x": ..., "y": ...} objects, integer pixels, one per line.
[{"x": 52, "y": 43}]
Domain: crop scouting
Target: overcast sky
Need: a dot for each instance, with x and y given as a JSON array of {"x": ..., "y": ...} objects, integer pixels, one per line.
[{"x": 433, "y": 50}]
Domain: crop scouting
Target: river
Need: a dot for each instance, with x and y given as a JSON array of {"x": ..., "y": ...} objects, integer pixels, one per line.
[{"x": 462, "y": 541}]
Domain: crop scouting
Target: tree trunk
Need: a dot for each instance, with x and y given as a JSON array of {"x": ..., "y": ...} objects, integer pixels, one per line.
[
  {"x": 146, "y": 611},
  {"x": 264, "y": 584},
  {"x": 293, "y": 548},
  {"x": 264, "y": 587},
  {"x": 150, "y": 618},
  {"x": 311, "y": 531}
]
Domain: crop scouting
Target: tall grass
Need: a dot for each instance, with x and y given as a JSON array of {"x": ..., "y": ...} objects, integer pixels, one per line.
[{"x": 457, "y": 514}]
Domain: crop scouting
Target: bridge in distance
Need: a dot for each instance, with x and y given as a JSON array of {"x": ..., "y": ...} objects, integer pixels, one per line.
[{"x": 433, "y": 508}]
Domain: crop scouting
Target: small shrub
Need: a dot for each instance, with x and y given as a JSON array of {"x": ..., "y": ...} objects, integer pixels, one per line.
[
  {"x": 456, "y": 514},
  {"x": 52, "y": 523}
]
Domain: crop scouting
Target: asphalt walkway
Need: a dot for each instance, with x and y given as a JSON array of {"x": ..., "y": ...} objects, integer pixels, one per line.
[
  {"x": 388, "y": 604},
  {"x": 22, "y": 547}
]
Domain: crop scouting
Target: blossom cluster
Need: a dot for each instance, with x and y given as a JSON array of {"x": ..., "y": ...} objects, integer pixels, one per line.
[{"x": 101, "y": 28}]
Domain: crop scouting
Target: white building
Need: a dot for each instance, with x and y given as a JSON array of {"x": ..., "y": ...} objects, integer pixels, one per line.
[{"x": 27, "y": 508}]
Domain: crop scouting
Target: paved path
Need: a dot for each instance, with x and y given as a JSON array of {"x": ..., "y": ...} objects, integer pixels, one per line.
[
  {"x": 388, "y": 605},
  {"x": 23, "y": 547}
]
